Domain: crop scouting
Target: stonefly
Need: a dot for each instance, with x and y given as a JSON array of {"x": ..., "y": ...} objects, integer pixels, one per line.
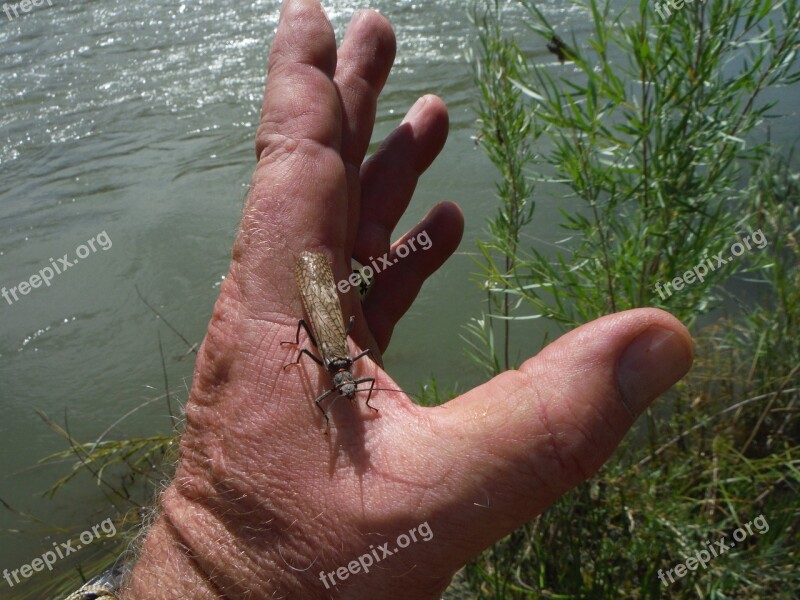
[{"x": 327, "y": 332}]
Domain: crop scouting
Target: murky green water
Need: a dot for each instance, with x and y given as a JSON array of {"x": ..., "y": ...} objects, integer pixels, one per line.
[{"x": 135, "y": 120}]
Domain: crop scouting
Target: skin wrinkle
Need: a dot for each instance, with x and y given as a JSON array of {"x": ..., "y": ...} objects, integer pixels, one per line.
[
  {"x": 306, "y": 555},
  {"x": 241, "y": 243},
  {"x": 351, "y": 80},
  {"x": 232, "y": 494},
  {"x": 190, "y": 560},
  {"x": 449, "y": 482},
  {"x": 259, "y": 337},
  {"x": 225, "y": 469},
  {"x": 265, "y": 248},
  {"x": 216, "y": 356},
  {"x": 222, "y": 583},
  {"x": 577, "y": 427},
  {"x": 290, "y": 120},
  {"x": 287, "y": 69},
  {"x": 213, "y": 378},
  {"x": 267, "y": 378},
  {"x": 293, "y": 56},
  {"x": 193, "y": 480},
  {"x": 539, "y": 409},
  {"x": 608, "y": 425},
  {"x": 527, "y": 469},
  {"x": 275, "y": 150},
  {"x": 588, "y": 439},
  {"x": 395, "y": 479},
  {"x": 313, "y": 155},
  {"x": 578, "y": 419},
  {"x": 181, "y": 543},
  {"x": 288, "y": 565},
  {"x": 268, "y": 135}
]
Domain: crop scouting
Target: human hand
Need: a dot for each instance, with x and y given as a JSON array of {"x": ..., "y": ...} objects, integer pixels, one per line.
[{"x": 262, "y": 502}]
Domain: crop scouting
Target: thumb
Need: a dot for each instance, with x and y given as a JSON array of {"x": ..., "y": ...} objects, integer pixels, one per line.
[{"x": 521, "y": 440}]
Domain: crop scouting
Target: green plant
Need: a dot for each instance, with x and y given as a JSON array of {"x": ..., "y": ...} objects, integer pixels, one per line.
[
  {"x": 658, "y": 145},
  {"x": 506, "y": 135}
]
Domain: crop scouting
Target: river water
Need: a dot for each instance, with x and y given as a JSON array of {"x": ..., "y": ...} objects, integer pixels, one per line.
[{"x": 130, "y": 123}]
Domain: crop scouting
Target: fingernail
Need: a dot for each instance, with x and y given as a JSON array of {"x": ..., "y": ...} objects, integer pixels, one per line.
[
  {"x": 416, "y": 109},
  {"x": 650, "y": 365}
]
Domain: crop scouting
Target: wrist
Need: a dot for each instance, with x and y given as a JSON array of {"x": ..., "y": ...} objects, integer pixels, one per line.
[
  {"x": 166, "y": 568},
  {"x": 191, "y": 553}
]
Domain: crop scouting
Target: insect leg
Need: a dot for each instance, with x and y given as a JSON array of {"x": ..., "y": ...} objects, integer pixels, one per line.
[
  {"x": 300, "y": 355},
  {"x": 318, "y": 402},
  {"x": 364, "y": 353},
  {"x": 371, "y": 386},
  {"x": 365, "y": 379},
  {"x": 304, "y": 325}
]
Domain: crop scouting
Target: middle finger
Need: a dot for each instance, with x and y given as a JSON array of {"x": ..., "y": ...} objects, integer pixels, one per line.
[{"x": 364, "y": 61}]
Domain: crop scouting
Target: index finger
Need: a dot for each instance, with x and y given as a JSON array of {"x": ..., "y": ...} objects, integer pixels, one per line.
[
  {"x": 300, "y": 99},
  {"x": 298, "y": 196}
]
